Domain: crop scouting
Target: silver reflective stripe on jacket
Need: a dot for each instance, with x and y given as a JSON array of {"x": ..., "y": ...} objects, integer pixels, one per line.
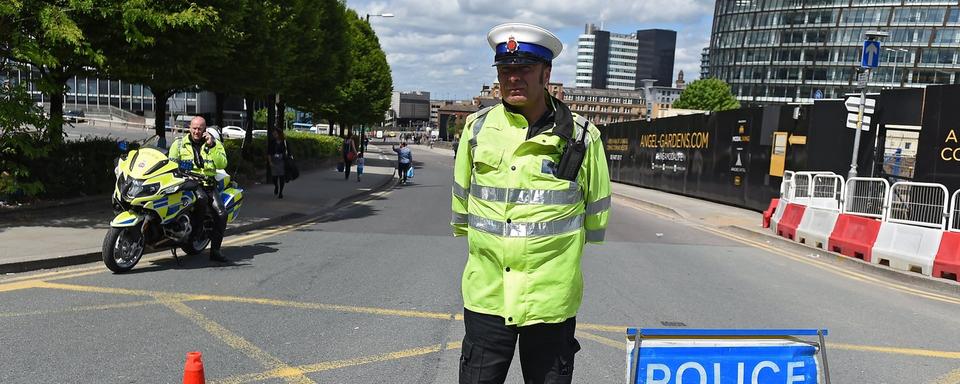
[
  {"x": 458, "y": 191},
  {"x": 580, "y": 127},
  {"x": 598, "y": 206},
  {"x": 459, "y": 218},
  {"x": 514, "y": 229},
  {"x": 571, "y": 195}
]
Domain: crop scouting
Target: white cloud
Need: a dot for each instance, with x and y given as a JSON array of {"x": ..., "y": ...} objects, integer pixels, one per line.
[{"x": 440, "y": 46}]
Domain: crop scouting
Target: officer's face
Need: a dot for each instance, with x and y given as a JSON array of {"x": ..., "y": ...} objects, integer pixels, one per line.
[
  {"x": 197, "y": 128},
  {"x": 522, "y": 84}
]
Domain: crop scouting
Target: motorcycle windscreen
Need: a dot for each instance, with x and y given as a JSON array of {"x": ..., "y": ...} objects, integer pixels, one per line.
[{"x": 232, "y": 198}]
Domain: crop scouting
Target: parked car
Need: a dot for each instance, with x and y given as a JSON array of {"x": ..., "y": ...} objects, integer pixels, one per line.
[
  {"x": 233, "y": 132},
  {"x": 74, "y": 116},
  {"x": 259, "y": 132}
]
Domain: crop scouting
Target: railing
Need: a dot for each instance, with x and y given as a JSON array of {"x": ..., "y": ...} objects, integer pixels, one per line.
[
  {"x": 827, "y": 192},
  {"x": 923, "y": 204},
  {"x": 786, "y": 184},
  {"x": 866, "y": 197},
  {"x": 954, "y": 214},
  {"x": 802, "y": 192}
]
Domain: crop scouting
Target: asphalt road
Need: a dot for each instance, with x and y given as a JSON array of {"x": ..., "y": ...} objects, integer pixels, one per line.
[{"x": 371, "y": 294}]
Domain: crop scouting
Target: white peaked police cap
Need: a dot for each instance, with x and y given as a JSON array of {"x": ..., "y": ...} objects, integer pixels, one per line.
[{"x": 522, "y": 43}]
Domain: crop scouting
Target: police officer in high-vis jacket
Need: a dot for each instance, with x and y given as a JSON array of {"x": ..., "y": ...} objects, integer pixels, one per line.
[
  {"x": 207, "y": 155},
  {"x": 531, "y": 186}
]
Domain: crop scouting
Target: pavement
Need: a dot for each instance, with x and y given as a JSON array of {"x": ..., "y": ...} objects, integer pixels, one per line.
[{"x": 56, "y": 235}]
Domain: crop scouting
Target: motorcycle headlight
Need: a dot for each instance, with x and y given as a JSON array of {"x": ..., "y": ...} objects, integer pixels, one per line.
[
  {"x": 134, "y": 187},
  {"x": 149, "y": 190}
]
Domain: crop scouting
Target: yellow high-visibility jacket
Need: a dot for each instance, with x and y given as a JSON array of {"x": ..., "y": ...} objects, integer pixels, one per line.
[
  {"x": 214, "y": 157},
  {"x": 525, "y": 227}
]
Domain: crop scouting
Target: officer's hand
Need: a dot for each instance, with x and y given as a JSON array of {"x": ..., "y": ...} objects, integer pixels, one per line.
[{"x": 208, "y": 138}]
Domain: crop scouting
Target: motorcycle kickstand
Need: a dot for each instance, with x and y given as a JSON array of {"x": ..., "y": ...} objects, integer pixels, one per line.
[{"x": 175, "y": 257}]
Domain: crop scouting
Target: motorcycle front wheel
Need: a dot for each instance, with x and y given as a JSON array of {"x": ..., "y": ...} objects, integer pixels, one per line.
[{"x": 122, "y": 249}]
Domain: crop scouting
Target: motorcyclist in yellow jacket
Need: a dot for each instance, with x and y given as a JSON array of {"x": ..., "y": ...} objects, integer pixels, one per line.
[
  {"x": 205, "y": 155},
  {"x": 527, "y": 210}
]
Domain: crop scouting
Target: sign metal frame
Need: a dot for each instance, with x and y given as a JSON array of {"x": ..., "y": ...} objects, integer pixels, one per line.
[{"x": 662, "y": 333}]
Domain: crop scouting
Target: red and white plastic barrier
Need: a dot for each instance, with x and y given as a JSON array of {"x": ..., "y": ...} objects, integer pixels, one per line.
[
  {"x": 817, "y": 226},
  {"x": 898, "y": 226},
  {"x": 792, "y": 215},
  {"x": 907, "y": 247},
  {"x": 854, "y": 236}
]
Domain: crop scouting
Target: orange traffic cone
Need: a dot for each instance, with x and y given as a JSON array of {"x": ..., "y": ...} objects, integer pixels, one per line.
[{"x": 193, "y": 369}]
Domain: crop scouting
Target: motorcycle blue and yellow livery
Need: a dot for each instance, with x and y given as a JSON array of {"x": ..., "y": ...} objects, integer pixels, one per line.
[{"x": 159, "y": 206}]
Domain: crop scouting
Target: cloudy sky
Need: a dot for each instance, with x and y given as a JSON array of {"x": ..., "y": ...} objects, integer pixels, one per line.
[{"x": 440, "y": 46}]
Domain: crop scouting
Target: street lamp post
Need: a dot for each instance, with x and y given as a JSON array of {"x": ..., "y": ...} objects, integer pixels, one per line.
[
  {"x": 362, "y": 133},
  {"x": 896, "y": 62}
]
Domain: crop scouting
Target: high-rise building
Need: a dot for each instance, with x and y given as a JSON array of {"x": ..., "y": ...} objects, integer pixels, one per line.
[
  {"x": 607, "y": 60},
  {"x": 799, "y": 50},
  {"x": 705, "y": 63}
]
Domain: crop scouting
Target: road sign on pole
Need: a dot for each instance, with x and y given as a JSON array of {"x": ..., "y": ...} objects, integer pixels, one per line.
[
  {"x": 852, "y": 121},
  {"x": 871, "y": 54},
  {"x": 853, "y": 105}
]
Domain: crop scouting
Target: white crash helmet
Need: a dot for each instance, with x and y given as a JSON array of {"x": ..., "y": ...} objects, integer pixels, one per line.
[{"x": 214, "y": 132}]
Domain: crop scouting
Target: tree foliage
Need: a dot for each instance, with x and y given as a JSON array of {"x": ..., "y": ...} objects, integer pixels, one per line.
[
  {"x": 365, "y": 94},
  {"x": 707, "y": 94}
]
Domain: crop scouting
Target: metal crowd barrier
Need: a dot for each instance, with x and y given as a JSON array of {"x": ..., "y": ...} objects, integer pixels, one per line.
[
  {"x": 827, "y": 192},
  {"x": 786, "y": 185},
  {"x": 955, "y": 212},
  {"x": 866, "y": 196},
  {"x": 802, "y": 192},
  {"x": 922, "y": 204}
]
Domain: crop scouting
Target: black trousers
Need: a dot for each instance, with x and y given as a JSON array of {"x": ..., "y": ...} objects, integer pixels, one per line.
[
  {"x": 402, "y": 169},
  {"x": 346, "y": 167},
  {"x": 219, "y": 213},
  {"x": 546, "y": 350}
]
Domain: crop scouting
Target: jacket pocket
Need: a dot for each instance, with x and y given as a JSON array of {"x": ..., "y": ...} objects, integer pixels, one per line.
[{"x": 486, "y": 159}]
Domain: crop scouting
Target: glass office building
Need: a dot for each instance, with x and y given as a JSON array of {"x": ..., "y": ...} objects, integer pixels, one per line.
[{"x": 799, "y": 50}]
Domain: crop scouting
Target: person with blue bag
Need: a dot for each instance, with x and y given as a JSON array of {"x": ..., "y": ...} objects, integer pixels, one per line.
[{"x": 404, "y": 162}]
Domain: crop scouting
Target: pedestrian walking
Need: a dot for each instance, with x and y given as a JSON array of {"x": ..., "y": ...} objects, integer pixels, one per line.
[
  {"x": 360, "y": 162},
  {"x": 277, "y": 154},
  {"x": 349, "y": 153},
  {"x": 531, "y": 187},
  {"x": 404, "y": 160}
]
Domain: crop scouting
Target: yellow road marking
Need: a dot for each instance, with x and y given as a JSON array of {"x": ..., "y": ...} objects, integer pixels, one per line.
[
  {"x": 18, "y": 286},
  {"x": 131, "y": 304},
  {"x": 251, "y": 300},
  {"x": 952, "y": 377},
  {"x": 290, "y": 374},
  {"x": 181, "y": 297},
  {"x": 622, "y": 345},
  {"x": 896, "y": 351},
  {"x": 849, "y": 274},
  {"x": 338, "y": 364}
]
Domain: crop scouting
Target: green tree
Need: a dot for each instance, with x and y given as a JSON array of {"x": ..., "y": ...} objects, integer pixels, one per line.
[
  {"x": 167, "y": 43},
  {"x": 366, "y": 94},
  {"x": 19, "y": 142},
  {"x": 707, "y": 94},
  {"x": 46, "y": 37},
  {"x": 260, "y": 118}
]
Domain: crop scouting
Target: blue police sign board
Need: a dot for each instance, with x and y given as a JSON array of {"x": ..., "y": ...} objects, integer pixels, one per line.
[
  {"x": 672, "y": 356},
  {"x": 871, "y": 54}
]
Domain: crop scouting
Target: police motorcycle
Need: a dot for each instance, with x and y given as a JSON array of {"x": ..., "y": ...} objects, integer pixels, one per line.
[{"x": 159, "y": 205}]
